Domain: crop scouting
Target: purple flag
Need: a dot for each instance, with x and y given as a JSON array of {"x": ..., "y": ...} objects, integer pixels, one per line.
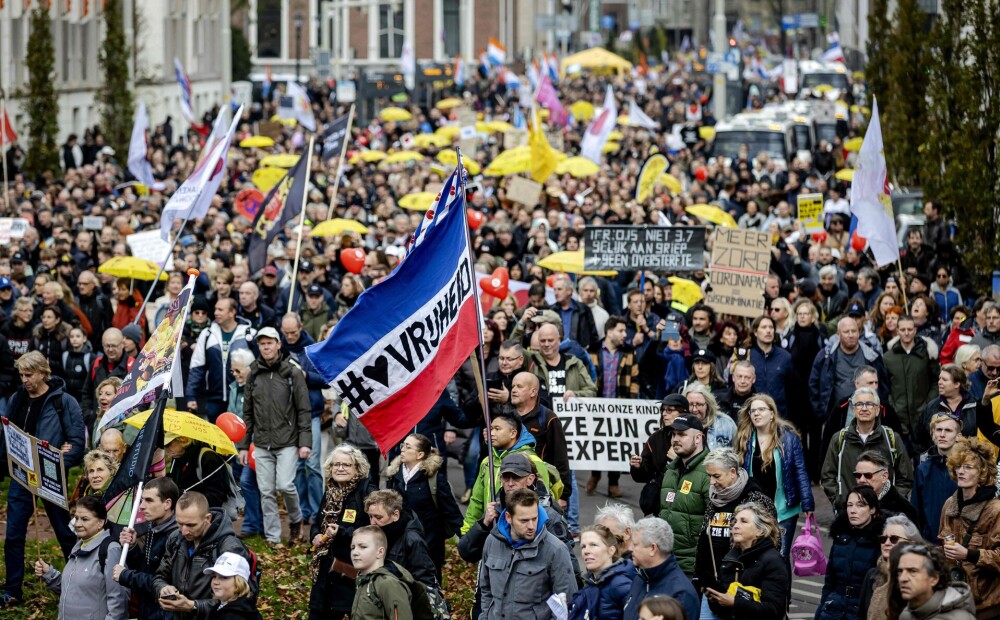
[{"x": 547, "y": 96}]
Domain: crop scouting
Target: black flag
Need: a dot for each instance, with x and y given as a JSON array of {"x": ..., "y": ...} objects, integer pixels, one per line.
[
  {"x": 139, "y": 456},
  {"x": 333, "y": 138},
  {"x": 281, "y": 205}
]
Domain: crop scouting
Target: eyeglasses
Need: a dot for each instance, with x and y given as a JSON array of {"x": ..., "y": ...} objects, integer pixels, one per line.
[
  {"x": 341, "y": 465},
  {"x": 865, "y": 405},
  {"x": 867, "y": 475},
  {"x": 893, "y": 539},
  {"x": 503, "y": 358}
]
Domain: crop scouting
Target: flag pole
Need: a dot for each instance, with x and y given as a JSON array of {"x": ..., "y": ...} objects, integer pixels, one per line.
[
  {"x": 902, "y": 284},
  {"x": 479, "y": 365},
  {"x": 302, "y": 222},
  {"x": 3, "y": 146},
  {"x": 136, "y": 500},
  {"x": 340, "y": 163},
  {"x": 163, "y": 266}
]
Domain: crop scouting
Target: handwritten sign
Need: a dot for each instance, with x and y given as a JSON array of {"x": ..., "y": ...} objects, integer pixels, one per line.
[
  {"x": 523, "y": 191},
  {"x": 811, "y": 212},
  {"x": 35, "y": 465},
  {"x": 150, "y": 246},
  {"x": 628, "y": 248},
  {"x": 740, "y": 263},
  {"x": 602, "y": 434}
]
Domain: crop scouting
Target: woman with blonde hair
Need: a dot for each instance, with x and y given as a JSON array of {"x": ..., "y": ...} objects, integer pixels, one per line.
[
  {"x": 608, "y": 578},
  {"x": 772, "y": 454},
  {"x": 99, "y": 468},
  {"x": 970, "y": 521}
]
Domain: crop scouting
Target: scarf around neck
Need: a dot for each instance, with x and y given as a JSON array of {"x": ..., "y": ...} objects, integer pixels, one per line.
[
  {"x": 335, "y": 497},
  {"x": 721, "y": 497}
]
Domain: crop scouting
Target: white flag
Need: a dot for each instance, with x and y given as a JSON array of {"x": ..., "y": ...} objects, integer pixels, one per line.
[
  {"x": 600, "y": 128},
  {"x": 638, "y": 118},
  {"x": 870, "y": 195},
  {"x": 295, "y": 105},
  {"x": 408, "y": 65},
  {"x": 138, "y": 165},
  {"x": 194, "y": 197}
]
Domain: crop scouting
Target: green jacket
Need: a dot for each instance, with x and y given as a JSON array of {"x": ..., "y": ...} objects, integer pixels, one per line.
[
  {"x": 913, "y": 380},
  {"x": 683, "y": 500},
  {"x": 313, "y": 322},
  {"x": 481, "y": 490},
  {"x": 578, "y": 378},
  {"x": 837, "y": 474},
  {"x": 276, "y": 408},
  {"x": 380, "y": 595}
]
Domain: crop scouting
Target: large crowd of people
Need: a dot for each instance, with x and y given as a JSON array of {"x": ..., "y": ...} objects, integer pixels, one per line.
[{"x": 875, "y": 384}]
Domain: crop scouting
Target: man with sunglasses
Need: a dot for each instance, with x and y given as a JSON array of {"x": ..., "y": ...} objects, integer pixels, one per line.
[
  {"x": 864, "y": 434},
  {"x": 872, "y": 470},
  {"x": 989, "y": 369},
  {"x": 924, "y": 584}
]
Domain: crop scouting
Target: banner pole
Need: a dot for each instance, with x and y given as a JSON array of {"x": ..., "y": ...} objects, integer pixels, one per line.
[
  {"x": 902, "y": 284},
  {"x": 131, "y": 521},
  {"x": 302, "y": 222},
  {"x": 479, "y": 365},
  {"x": 340, "y": 164},
  {"x": 3, "y": 147},
  {"x": 38, "y": 534},
  {"x": 163, "y": 266}
]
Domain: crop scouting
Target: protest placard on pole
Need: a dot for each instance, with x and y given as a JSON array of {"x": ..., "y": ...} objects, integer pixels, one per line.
[
  {"x": 628, "y": 248},
  {"x": 523, "y": 191},
  {"x": 12, "y": 228},
  {"x": 35, "y": 465},
  {"x": 150, "y": 246},
  {"x": 602, "y": 434},
  {"x": 810, "y": 212},
  {"x": 740, "y": 263}
]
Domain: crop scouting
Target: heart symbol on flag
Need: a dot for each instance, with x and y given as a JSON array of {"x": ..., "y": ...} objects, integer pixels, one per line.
[
  {"x": 378, "y": 371},
  {"x": 497, "y": 284},
  {"x": 353, "y": 259}
]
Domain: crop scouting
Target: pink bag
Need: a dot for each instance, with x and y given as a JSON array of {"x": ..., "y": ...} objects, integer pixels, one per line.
[{"x": 807, "y": 554}]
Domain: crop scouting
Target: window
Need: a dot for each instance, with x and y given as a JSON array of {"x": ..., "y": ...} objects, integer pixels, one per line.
[
  {"x": 452, "y": 27},
  {"x": 390, "y": 30},
  {"x": 269, "y": 29}
]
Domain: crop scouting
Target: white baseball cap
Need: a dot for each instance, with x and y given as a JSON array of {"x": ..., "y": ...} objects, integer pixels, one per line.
[{"x": 230, "y": 565}]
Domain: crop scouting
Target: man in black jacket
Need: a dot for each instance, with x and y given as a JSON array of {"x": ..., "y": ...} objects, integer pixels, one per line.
[
  {"x": 148, "y": 544},
  {"x": 95, "y": 306},
  {"x": 404, "y": 534},
  {"x": 112, "y": 363},
  {"x": 550, "y": 440},
  {"x": 576, "y": 317}
]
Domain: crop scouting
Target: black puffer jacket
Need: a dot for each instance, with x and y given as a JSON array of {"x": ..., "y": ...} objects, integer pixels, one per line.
[
  {"x": 716, "y": 529},
  {"x": 855, "y": 551},
  {"x": 408, "y": 549},
  {"x": 762, "y": 567},
  {"x": 143, "y": 559}
]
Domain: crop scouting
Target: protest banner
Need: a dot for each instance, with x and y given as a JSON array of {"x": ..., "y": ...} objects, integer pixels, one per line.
[
  {"x": 271, "y": 129},
  {"x": 513, "y": 138},
  {"x": 602, "y": 434},
  {"x": 93, "y": 222},
  {"x": 740, "y": 263},
  {"x": 35, "y": 465},
  {"x": 150, "y": 246},
  {"x": 523, "y": 191},
  {"x": 811, "y": 212},
  {"x": 628, "y": 248},
  {"x": 12, "y": 228}
]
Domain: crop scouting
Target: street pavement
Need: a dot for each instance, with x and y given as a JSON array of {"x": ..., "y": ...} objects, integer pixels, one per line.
[{"x": 806, "y": 591}]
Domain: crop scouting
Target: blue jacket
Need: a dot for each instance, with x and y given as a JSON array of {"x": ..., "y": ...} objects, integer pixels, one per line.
[
  {"x": 774, "y": 375},
  {"x": 209, "y": 377},
  {"x": 314, "y": 381},
  {"x": 794, "y": 475},
  {"x": 604, "y": 595},
  {"x": 854, "y": 552},
  {"x": 824, "y": 376},
  {"x": 53, "y": 426},
  {"x": 668, "y": 579},
  {"x": 932, "y": 486}
]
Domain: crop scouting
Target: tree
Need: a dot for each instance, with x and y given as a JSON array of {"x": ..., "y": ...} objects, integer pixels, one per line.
[
  {"x": 41, "y": 101},
  {"x": 905, "y": 107},
  {"x": 115, "y": 99},
  {"x": 242, "y": 58},
  {"x": 879, "y": 55}
]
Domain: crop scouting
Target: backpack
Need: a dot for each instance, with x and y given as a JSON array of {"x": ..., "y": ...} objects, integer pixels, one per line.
[
  {"x": 807, "y": 554},
  {"x": 890, "y": 438},
  {"x": 234, "y": 495},
  {"x": 102, "y": 552},
  {"x": 426, "y": 603}
]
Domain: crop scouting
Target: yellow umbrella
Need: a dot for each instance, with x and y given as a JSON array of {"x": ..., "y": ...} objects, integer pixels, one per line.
[
  {"x": 686, "y": 291},
  {"x": 499, "y": 126},
  {"x": 450, "y": 157},
  {"x": 131, "y": 267},
  {"x": 598, "y": 60},
  {"x": 578, "y": 167},
  {"x": 184, "y": 424},
  {"x": 845, "y": 175},
  {"x": 395, "y": 114},
  {"x": 425, "y": 140},
  {"x": 853, "y": 145},
  {"x": 713, "y": 214},
  {"x": 623, "y": 120},
  {"x": 611, "y": 147},
  {"x": 368, "y": 156},
  {"x": 472, "y": 166},
  {"x": 284, "y": 160},
  {"x": 259, "y": 142},
  {"x": 616, "y": 136},
  {"x": 706, "y": 133},
  {"x": 266, "y": 178},
  {"x": 582, "y": 110},
  {"x": 449, "y": 131},
  {"x": 332, "y": 228},
  {"x": 400, "y": 157},
  {"x": 515, "y": 161},
  {"x": 855, "y": 108},
  {"x": 448, "y": 103},
  {"x": 483, "y": 127},
  {"x": 671, "y": 183},
  {"x": 570, "y": 262},
  {"x": 420, "y": 201}
]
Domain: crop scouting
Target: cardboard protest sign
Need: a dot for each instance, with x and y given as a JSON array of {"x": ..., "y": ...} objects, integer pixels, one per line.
[
  {"x": 12, "y": 228},
  {"x": 811, "y": 212},
  {"x": 513, "y": 138},
  {"x": 523, "y": 191},
  {"x": 150, "y": 246},
  {"x": 629, "y": 248},
  {"x": 602, "y": 434},
  {"x": 271, "y": 129},
  {"x": 35, "y": 465},
  {"x": 740, "y": 263}
]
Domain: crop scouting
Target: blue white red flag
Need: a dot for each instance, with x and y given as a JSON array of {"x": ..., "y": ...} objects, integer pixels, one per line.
[
  {"x": 138, "y": 146},
  {"x": 496, "y": 52},
  {"x": 834, "y": 53},
  {"x": 185, "y": 86},
  {"x": 393, "y": 354}
]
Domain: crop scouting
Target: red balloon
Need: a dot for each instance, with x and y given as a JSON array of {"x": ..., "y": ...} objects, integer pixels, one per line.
[
  {"x": 858, "y": 242},
  {"x": 353, "y": 259},
  {"x": 476, "y": 218},
  {"x": 701, "y": 173},
  {"x": 497, "y": 284},
  {"x": 251, "y": 461},
  {"x": 819, "y": 237},
  {"x": 232, "y": 426}
]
